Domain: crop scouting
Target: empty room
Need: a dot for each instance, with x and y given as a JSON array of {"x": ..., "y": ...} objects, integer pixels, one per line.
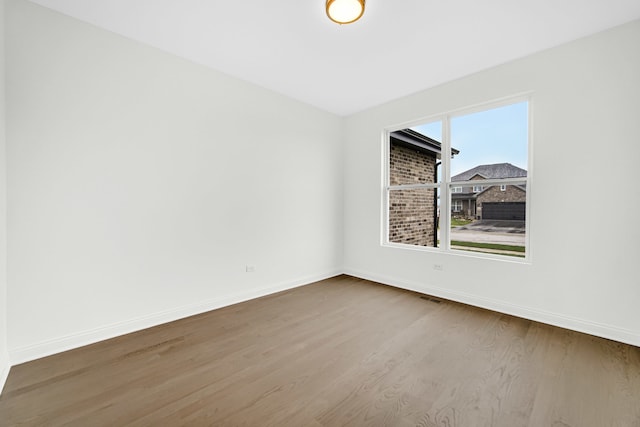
[{"x": 319, "y": 213}]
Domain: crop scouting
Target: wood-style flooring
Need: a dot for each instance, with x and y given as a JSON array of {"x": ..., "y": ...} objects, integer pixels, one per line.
[{"x": 341, "y": 352}]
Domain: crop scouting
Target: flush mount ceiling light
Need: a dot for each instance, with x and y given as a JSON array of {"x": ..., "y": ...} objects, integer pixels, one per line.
[{"x": 345, "y": 11}]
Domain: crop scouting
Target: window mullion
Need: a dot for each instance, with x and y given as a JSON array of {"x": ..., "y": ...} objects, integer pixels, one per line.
[
  {"x": 412, "y": 186},
  {"x": 445, "y": 189}
]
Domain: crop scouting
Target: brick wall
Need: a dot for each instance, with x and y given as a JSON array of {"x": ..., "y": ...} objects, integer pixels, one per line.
[{"x": 411, "y": 212}]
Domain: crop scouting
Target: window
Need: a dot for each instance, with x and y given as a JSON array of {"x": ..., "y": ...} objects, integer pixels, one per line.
[
  {"x": 431, "y": 168},
  {"x": 414, "y": 174}
]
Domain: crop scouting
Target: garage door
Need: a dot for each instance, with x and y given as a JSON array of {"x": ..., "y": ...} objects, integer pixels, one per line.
[{"x": 504, "y": 211}]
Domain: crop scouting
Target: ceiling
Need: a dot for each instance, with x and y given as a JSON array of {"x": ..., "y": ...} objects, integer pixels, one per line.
[{"x": 399, "y": 47}]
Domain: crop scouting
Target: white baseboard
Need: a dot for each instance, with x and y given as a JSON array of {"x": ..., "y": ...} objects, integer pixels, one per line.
[
  {"x": 580, "y": 325},
  {"x": 4, "y": 373},
  {"x": 69, "y": 342}
]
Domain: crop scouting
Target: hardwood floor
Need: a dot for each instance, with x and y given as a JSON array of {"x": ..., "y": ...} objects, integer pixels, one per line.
[{"x": 341, "y": 352}]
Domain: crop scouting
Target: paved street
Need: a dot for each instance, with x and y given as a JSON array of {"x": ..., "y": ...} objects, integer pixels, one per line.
[
  {"x": 515, "y": 239},
  {"x": 502, "y": 232}
]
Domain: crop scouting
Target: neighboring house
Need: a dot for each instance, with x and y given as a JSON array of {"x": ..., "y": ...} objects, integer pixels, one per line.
[
  {"x": 471, "y": 199},
  {"x": 413, "y": 159}
]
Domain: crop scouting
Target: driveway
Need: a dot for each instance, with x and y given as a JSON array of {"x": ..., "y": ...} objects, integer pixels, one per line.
[{"x": 502, "y": 232}]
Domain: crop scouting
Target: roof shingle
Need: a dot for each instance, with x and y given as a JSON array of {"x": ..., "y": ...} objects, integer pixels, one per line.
[{"x": 494, "y": 171}]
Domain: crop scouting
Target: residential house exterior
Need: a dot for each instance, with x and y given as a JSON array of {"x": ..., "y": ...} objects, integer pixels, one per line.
[
  {"x": 413, "y": 159},
  {"x": 473, "y": 200}
]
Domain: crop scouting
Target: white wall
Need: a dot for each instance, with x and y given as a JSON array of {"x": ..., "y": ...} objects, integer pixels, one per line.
[
  {"x": 141, "y": 185},
  {"x": 584, "y": 233},
  {"x": 4, "y": 356}
]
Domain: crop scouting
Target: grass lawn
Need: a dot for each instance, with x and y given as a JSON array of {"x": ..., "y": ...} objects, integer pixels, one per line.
[
  {"x": 457, "y": 222},
  {"x": 487, "y": 247}
]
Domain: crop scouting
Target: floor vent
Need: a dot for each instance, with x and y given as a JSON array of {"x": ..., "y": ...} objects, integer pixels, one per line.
[{"x": 428, "y": 298}]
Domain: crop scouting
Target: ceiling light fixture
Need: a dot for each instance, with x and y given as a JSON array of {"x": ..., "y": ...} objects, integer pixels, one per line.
[{"x": 345, "y": 11}]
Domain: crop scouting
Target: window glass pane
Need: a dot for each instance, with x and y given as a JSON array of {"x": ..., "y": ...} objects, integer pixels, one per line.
[
  {"x": 413, "y": 216},
  {"x": 491, "y": 144},
  {"x": 414, "y": 155},
  {"x": 504, "y": 231}
]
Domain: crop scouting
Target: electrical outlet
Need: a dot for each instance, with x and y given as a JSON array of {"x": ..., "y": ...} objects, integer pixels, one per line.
[
  {"x": 437, "y": 267},
  {"x": 251, "y": 268}
]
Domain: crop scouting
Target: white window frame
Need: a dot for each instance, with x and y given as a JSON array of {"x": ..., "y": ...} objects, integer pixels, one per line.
[
  {"x": 456, "y": 206},
  {"x": 478, "y": 188},
  {"x": 457, "y": 189},
  {"x": 446, "y": 186}
]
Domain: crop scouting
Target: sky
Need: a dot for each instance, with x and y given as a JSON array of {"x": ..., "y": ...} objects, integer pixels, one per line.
[{"x": 498, "y": 135}]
